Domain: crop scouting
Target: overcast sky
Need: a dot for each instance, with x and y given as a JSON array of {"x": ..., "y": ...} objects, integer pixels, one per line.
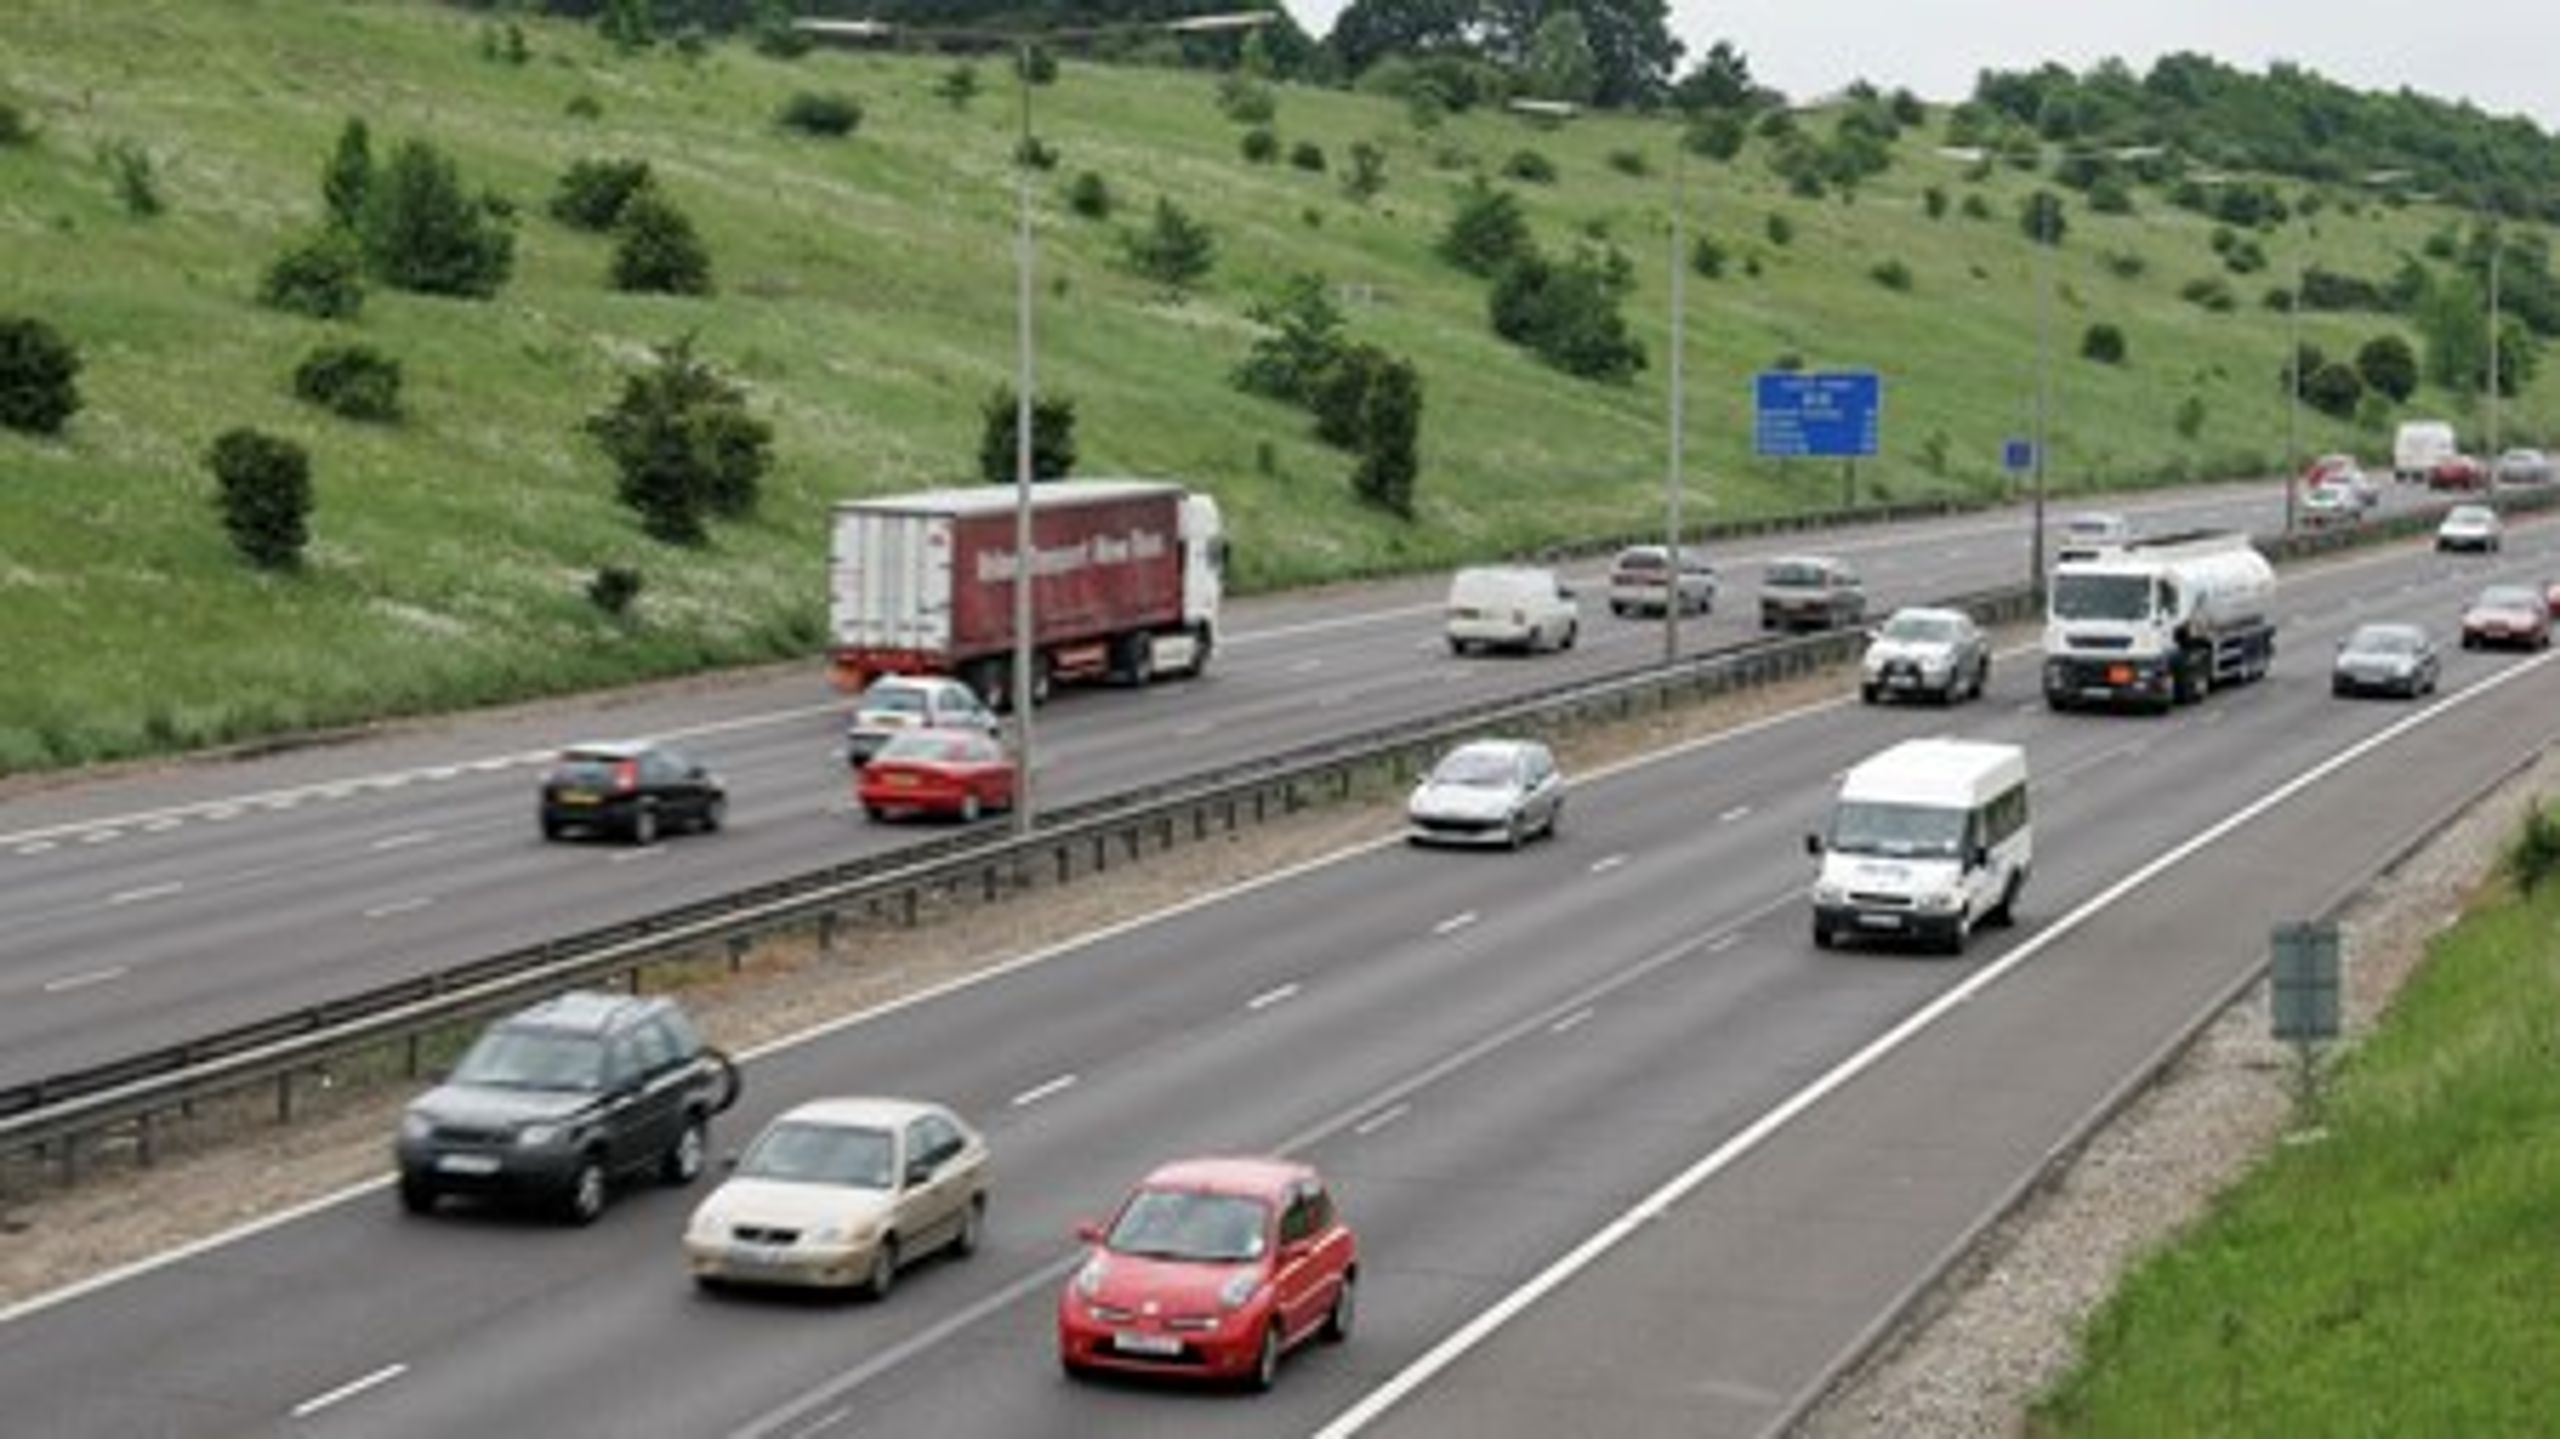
[{"x": 2503, "y": 55}]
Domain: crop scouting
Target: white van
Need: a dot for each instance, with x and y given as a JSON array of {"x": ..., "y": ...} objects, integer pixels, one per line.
[
  {"x": 1511, "y": 607},
  {"x": 2416, "y": 448},
  {"x": 1927, "y": 841}
]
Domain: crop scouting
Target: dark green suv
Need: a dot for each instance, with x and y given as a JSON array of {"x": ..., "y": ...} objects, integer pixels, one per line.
[{"x": 555, "y": 1103}]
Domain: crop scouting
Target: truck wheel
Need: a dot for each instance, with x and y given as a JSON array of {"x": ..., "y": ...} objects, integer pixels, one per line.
[
  {"x": 1039, "y": 678},
  {"x": 1821, "y": 933}
]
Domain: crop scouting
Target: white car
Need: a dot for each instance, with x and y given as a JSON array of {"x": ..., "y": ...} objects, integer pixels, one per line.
[
  {"x": 1939, "y": 654},
  {"x": 898, "y": 703},
  {"x": 1511, "y": 607},
  {"x": 2470, "y": 527},
  {"x": 2330, "y": 504},
  {"x": 1492, "y": 791},
  {"x": 2083, "y": 535},
  {"x": 843, "y": 1193},
  {"x": 1641, "y": 578}
]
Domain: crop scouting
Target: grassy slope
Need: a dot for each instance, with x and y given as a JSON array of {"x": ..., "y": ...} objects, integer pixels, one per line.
[
  {"x": 2395, "y": 1279},
  {"x": 866, "y": 297}
]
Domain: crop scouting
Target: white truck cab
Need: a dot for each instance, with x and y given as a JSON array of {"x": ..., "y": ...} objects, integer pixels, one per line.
[
  {"x": 1926, "y": 842},
  {"x": 2417, "y": 446}
]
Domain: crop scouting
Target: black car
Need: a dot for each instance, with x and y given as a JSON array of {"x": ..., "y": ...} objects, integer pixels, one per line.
[
  {"x": 552, "y": 1104},
  {"x": 631, "y": 788}
]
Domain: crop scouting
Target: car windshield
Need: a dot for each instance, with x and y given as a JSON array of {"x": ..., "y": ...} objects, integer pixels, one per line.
[
  {"x": 2101, "y": 597},
  {"x": 893, "y": 699},
  {"x": 1795, "y": 572},
  {"x": 1930, "y": 629},
  {"x": 522, "y": 1057},
  {"x": 1187, "y": 1224},
  {"x": 1897, "y": 831},
  {"x": 2470, "y": 515},
  {"x": 800, "y": 1152},
  {"x": 2384, "y": 640},
  {"x": 2092, "y": 527},
  {"x": 1642, "y": 560},
  {"x": 1480, "y": 768},
  {"x": 2507, "y": 597},
  {"x": 915, "y": 746},
  {"x": 591, "y": 771}
]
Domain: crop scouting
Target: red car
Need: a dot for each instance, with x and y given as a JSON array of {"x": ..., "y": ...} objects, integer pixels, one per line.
[
  {"x": 936, "y": 771},
  {"x": 2508, "y": 615},
  {"x": 2458, "y": 472},
  {"x": 1213, "y": 1269}
]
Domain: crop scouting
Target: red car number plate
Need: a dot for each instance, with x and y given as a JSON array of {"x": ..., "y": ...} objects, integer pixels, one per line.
[{"x": 1158, "y": 1345}]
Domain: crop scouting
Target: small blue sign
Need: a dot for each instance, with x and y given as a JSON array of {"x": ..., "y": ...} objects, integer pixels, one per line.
[
  {"x": 1818, "y": 416},
  {"x": 2018, "y": 456}
]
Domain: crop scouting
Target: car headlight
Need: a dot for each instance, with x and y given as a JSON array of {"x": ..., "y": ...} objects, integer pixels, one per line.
[
  {"x": 1239, "y": 1289},
  {"x": 1089, "y": 1278},
  {"x": 1825, "y": 892},
  {"x": 535, "y": 1136},
  {"x": 416, "y": 1126},
  {"x": 1941, "y": 901},
  {"x": 845, "y": 1232}
]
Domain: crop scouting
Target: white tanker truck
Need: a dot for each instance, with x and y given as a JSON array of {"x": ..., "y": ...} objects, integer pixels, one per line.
[{"x": 2158, "y": 621}]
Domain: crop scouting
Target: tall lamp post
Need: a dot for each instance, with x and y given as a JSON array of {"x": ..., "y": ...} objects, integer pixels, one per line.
[{"x": 1026, "y": 650}]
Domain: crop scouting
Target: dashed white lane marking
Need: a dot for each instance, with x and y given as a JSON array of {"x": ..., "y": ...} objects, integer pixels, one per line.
[
  {"x": 1735, "y": 813},
  {"x": 646, "y": 851},
  {"x": 399, "y": 906},
  {"x": 35, "y": 846},
  {"x": 1572, "y": 1021},
  {"x": 162, "y": 825},
  {"x": 1039, "y": 1092},
  {"x": 1607, "y": 862},
  {"x": 101, "y": 836},
  {"x": 1723, "y": 942},
  {"x": 148, "y": 891},
  {"x": 488, "y": 766},
  {"x": 402, "y": 841},
  {"x": 441, "y": 771},
  {"x": 70, "y": 982},
  {"x": 1381, "y": 1119},
  {"x": 280, "y": 802},
  {"x": 348, "y": 1390},
  {"x": 223, "y": 812},
  {"x": 2027, "y": 708},
  {"x": 1269, "y": 997},
  {"x": 1454, "y": 923},
  {"x": 1194, "y": 731},
  {"x": 1303, "y": 667}
]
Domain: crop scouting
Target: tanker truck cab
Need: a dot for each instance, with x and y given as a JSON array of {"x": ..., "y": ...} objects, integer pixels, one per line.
[
  {"x": 1926, "y": 842},
  {"x": 1204, "y": 585},
  {"x": 2159, "y": 622}
]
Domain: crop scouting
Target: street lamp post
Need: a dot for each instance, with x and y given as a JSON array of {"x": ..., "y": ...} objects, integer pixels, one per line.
[
  {"x": 1673, "y": 597},
  {"x": 1026, "y": 651}
]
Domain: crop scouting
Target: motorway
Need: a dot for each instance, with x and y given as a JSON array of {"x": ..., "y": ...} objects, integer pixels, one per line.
[
  {"x": 140, "y": 911},
  {"x": 1496, "y": 1058}
]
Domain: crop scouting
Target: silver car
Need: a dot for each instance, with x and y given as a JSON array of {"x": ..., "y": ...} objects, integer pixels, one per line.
[
  {"x": 2385, "y": 659},
  {"x": 1492, "y": 791},
  {"x": 1924, "y": 653}
]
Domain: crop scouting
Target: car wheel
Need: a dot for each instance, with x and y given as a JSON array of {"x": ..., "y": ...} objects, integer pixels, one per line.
[
  {"x": 715, "y": 813},
  {"x": 550, "y": 827},
  {"x": 884, "y": 1269},
  {"x": 417, "y": 1196},
  {"x": 1337, "y": 1320},
  {"x": 1869, "y": 693},
  {"x": 876, "y": 812},
  {"x": 683, "y": 1161},
  {"x": 644, "y": 825},
  {"x": 973, "y": 1228},
  {"x": 1555, "y": 821},
  {"x": 1266, "y": 1360},
  {"x": 583, "y": 1203},
  {"x": 1821, "y": 933},
  {"x": 1513, "y": 835},
  {"x": 1457, "y": 646},
  {"x": 1982, "y": 678},
  {"x": 2005, "y": 913},
  {"x": 1618, "y": 609},
  {"x": 2338, "y": 689},
  {"x": 1572, "y": 631},
  {"x": 970, "y": 809}
]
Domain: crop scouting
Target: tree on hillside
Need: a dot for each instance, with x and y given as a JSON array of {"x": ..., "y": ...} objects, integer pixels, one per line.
[
  {"x": 38, "y": 371},
  {"x": 2388, "y": 366},
  {"x": 1721, "y": 81},
  {"x": 1632, "y": 49},
  {"x": 1303, "y": 336},
  {"x": 422, "y": 233},
  {"x": 1487, "y": 231},
  {"x": 348, "y": 177},
  {"x": 656, "y": 249},
  {"x": 263, "y": 489},
  {"x": 685, "y": 445},
  {"x": 1053, "y": 437},
  {"x": 1560, "y": 65},
  {"x": 1174, "y": 250}
]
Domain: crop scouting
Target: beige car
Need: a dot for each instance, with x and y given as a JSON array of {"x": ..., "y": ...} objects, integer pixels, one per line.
[{"x": 843, "y": 1193}]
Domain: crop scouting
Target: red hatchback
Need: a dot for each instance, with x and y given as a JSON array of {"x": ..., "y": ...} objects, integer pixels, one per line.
[
  {"x": 936, "y": 771},
  {"x": 1213, "y": 1269}
]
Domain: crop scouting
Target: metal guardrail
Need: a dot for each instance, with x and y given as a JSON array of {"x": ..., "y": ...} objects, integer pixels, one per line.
[{"x": 56, "y": 1113}]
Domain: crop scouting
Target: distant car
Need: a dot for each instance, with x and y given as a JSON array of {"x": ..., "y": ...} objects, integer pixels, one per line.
[
  {"x": 2524, "y": 467},
  {"x": 1493, "y": 791},
  {"x": 894, "y": 703},
  {"x": 959, "y": 773},
  {"x": 1640, "y": 579},
  {"x": 2082, "y": 535},
  {"x": 1213, "y": 1269},
  {"x": 1938, "y": 654},
  {"x": 2342, "y": 469},
  {"x": 842, "y": 1194},
  {"x": 2470, "y": 527},
  {"x": 554, "y": 1103},
  {"x": 2329, "y": 505},
  {"x": 2551, "y": 595},
  {"x": 2457, "y": 472},
  {"x": 1520, "y": 607},
  {"x": 2386, "y": 659},
  {"x": 632, "y": 788},
  {"x": 2328, "y": 466},
  {"x": 2510, "y": 615},
  {"x": 1811, "y": 592}
]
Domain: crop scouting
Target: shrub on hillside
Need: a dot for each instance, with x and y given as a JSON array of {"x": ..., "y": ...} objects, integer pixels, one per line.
[
  {"x": 2190, "y": 417},
  {"x": 39, "y": 374},
  {"x": 1245, "y": 100},
  {"x": 1892, "y": 274},
  {"x": 1487, "y": 230},
  {"x": 137, "y": 183},
  {"x": 1302, "y": 337},
  {"x": 1260, "y": 145},
  {"x": 1307, "y": 155},
  {"x": 1089, "y": 195},
  {"x": 263, "y": 489},
  {"x": 422, "y": 233},
  {"x": 958, "y": 85},
  {"x": 828, "y": 115},
  {"x": 2389, "y": 365},
  {"x": 1368, "y": 173},
  {"x": 2041, "y": 218},
  {"x": 2244, "y": 258},
  {"x": 1053, "y": 436},
  {"x": 591, "y": 193},
  {"x": 1174, "y": 250},
  {"x": 1933, "y": 202},
  {"x": 2124, "y": 264},
  {"x": 2333, "y": 389},
  {"x": 1718, "y": 136},
  {"x": 657, "y": 251},
  {"x": 1567, "y": 314},
  {"x": 583, "y": 107},
  {"x": 320, "y": 275},
  {"x": 356, "y": 382},
  {"x": 1036, "y": 153},
  {"x": 346, "y": 180},
  {"x": 2103, "y": 343},
  {"x": 2534, "y": 857},
  {"x": 1975, "y": 208},
  {"x": 2209, "y": 291},
  {"x": 2110, "y": 196},
  {"x": 614, "y": 589},
  {"x": 685, "y": 445},
  {"x": 15, "y": 127},
  {"x": 1780, "y": 230},
  {"x": 1530, "y": 167},
  {"x": 2278, "y": 299},
  {"x": 1630, "y": 162},
  {"x": 1706, "y": 257},
  {"x": 1390, "y": 430}
]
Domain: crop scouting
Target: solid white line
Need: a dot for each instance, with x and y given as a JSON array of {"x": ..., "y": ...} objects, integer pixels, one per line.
[
  {"x": 1572, "y": 1021},
  {"x": 280, "y": 802},
  {"x": 646, "y": 851},
  {"x": 1194, "y": 731},
  {"x": 35, "y": 846},
  {"x": 1454, "y": 923},
  {"x": 1381, "y": 1119},
  {"x": 399, "y": 906},
  {"x": 1447, "y": 1352},
  {"x": 148, "y": 891},
  {"x": 70, "y": 982},
  {"x": 1607, "y": 862},
  {"x": 1039, "y": 1092},
  {"x": 440, "y": 771},
  {"x": 402, "y": 841},
  {"x": 1270, "y": 997},
  {"x": 1735, "y": 813},
  {"x": 825, "y": 1421},
  {"x": 1723, "y": 942},
  {"x": 349, "y": 1390}
]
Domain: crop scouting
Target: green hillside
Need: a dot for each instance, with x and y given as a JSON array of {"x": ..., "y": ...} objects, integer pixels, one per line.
[{"x": 866, "y": 300}]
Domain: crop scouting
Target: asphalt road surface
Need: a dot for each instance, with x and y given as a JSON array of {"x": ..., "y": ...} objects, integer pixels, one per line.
[
  {"x": 141, "y": 911},
  {"x": 1496, "y": 1057}
]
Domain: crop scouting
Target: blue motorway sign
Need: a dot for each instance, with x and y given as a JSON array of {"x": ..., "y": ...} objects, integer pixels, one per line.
[
  {"x": 2018, "y": 456},
  {"x": 1817, "y": 416}
]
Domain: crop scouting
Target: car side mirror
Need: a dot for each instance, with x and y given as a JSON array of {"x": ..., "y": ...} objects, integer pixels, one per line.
[
  {"x": 729, "y": 1163},
  {"x": 920, "y": 1171},
  {"x": 1981, "y": 856},
  {"x": 1089, "y": 1232},
  {"x": 1813, "y": 845}
]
